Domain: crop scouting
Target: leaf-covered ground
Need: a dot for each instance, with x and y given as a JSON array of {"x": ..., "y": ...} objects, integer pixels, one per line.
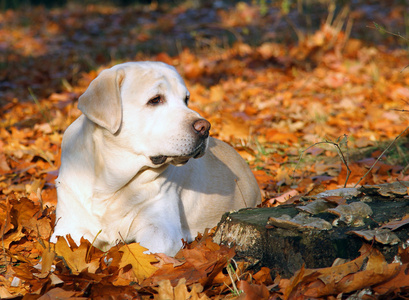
[{"x": 272, "y": 83}]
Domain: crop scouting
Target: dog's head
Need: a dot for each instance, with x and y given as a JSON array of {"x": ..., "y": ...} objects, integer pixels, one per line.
[{"x": 142, "y": 106}]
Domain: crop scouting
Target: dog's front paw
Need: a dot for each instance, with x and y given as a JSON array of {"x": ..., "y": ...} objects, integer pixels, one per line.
[{"x": 157, "y": 240}]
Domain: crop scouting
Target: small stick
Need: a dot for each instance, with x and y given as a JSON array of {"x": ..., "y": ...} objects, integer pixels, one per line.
[
  {"x": 341, "y": 155},
  {"x": 380, "y": 156},
  {"x": 92, "y": 244}
]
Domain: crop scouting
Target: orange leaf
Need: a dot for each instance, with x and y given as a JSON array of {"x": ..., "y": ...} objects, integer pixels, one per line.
[
  {"x": 394, "y": 283},
  {"x": 275, "y": 136}
]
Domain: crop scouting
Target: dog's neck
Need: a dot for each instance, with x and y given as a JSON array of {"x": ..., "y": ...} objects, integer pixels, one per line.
[{"x": 102, "y": 172}]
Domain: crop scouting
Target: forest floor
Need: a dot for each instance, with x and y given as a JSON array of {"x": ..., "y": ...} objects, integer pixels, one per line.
[{"x": 301, "y": 94}]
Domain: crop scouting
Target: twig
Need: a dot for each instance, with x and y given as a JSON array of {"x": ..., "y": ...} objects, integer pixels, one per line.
[
  {"x": 400, "y": 110},
  {"x": 92, "y": 244},
  {"x": 383, "y": 30},
  {"x": 340, "y": 153},
  {"x": 402, "y": 183},
  {"x": 380, "y": 156}
]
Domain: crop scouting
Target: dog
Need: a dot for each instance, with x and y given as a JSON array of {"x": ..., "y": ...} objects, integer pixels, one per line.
[{"x": 139, "y": 166}]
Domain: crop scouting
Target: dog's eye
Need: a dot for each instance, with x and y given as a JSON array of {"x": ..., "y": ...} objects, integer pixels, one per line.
[
  {"x": 187, "y": 99},
  {"x": 156, "y": 100}
]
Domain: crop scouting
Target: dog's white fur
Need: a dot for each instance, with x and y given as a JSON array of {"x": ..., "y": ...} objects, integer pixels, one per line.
[{"x": 125, "y": 169}]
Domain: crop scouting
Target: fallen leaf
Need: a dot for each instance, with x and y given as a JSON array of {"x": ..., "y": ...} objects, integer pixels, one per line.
[
  {"x": 283, "y": 198},
  {"x": 393, "y": 225},
  {"x": 58, "y": 293},
  {"x": 47, "y": 258},
  {"x": 253, "y": 291},
  {"x": 383, "y": 236},
  {"x": 141, "y": 262},
  {"x": 76, "y": 256}
]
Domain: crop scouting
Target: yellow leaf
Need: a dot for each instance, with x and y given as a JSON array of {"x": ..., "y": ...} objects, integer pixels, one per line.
[
  {"x": 168, "y": 292},
  {"x": 75, "y": 258},
  {"x": 141, "y": 262}
]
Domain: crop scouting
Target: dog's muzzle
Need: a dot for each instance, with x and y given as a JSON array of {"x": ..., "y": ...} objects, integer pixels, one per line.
[{"x": 200, "y": 129}]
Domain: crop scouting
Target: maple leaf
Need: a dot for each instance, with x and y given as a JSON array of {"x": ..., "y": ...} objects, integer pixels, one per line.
[
  {"x": 141, "y": 262},
  {"x": 76, "y": 257},
  {"x": 272, "y": 97}
]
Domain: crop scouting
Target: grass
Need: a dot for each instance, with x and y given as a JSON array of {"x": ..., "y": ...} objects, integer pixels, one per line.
[{"x": 231, "y": 271}]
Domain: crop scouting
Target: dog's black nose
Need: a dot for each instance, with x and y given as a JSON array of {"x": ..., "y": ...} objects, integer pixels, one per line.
[{"x": 201, "y": 127}]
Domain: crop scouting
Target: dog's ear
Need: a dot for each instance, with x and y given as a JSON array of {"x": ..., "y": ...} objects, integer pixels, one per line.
[{"x": 101, "y": 102}]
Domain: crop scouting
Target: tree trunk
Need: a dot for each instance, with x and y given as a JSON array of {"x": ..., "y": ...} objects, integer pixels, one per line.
[{"x": 318, "y": 230}]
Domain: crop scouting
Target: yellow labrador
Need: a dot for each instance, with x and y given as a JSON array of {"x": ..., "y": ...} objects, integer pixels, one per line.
[{"x": 139, "y": 165}]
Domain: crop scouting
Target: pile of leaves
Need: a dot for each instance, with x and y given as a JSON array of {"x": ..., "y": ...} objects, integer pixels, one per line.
[
  {"x": 34, "y": 267},
  {"x": 37, "y": 269},
  {"x": 270, "y": 100}
]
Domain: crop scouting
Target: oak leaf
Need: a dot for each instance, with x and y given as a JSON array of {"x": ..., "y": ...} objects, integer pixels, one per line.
[
  {"x": 180, "y": 291},
  {"x": 141, "y": 262}
]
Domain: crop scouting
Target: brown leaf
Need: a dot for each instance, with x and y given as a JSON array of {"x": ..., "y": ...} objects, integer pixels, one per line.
[
  {"x": 263, "y": 276},
  {"x": 101, "y": 291},
  {"x": 403, "y": 253},
  {"x": 344, "y": 278},
  {"x": 253, "y": 291},
  {"x": 283, "y": 198},
  {"x": 383, "y": 236},
  {"x": 339, "y": 200},
  {"x": 393, "y": 225},
  {"x": 163, "y": 259},
  {"x": 4, "y": 167},
  {"x": 395, "y": 283},
  {"x": 47, "y": 258},
  {"x": 58, "y": 293},
  {"x": 202, "y": 264}
]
